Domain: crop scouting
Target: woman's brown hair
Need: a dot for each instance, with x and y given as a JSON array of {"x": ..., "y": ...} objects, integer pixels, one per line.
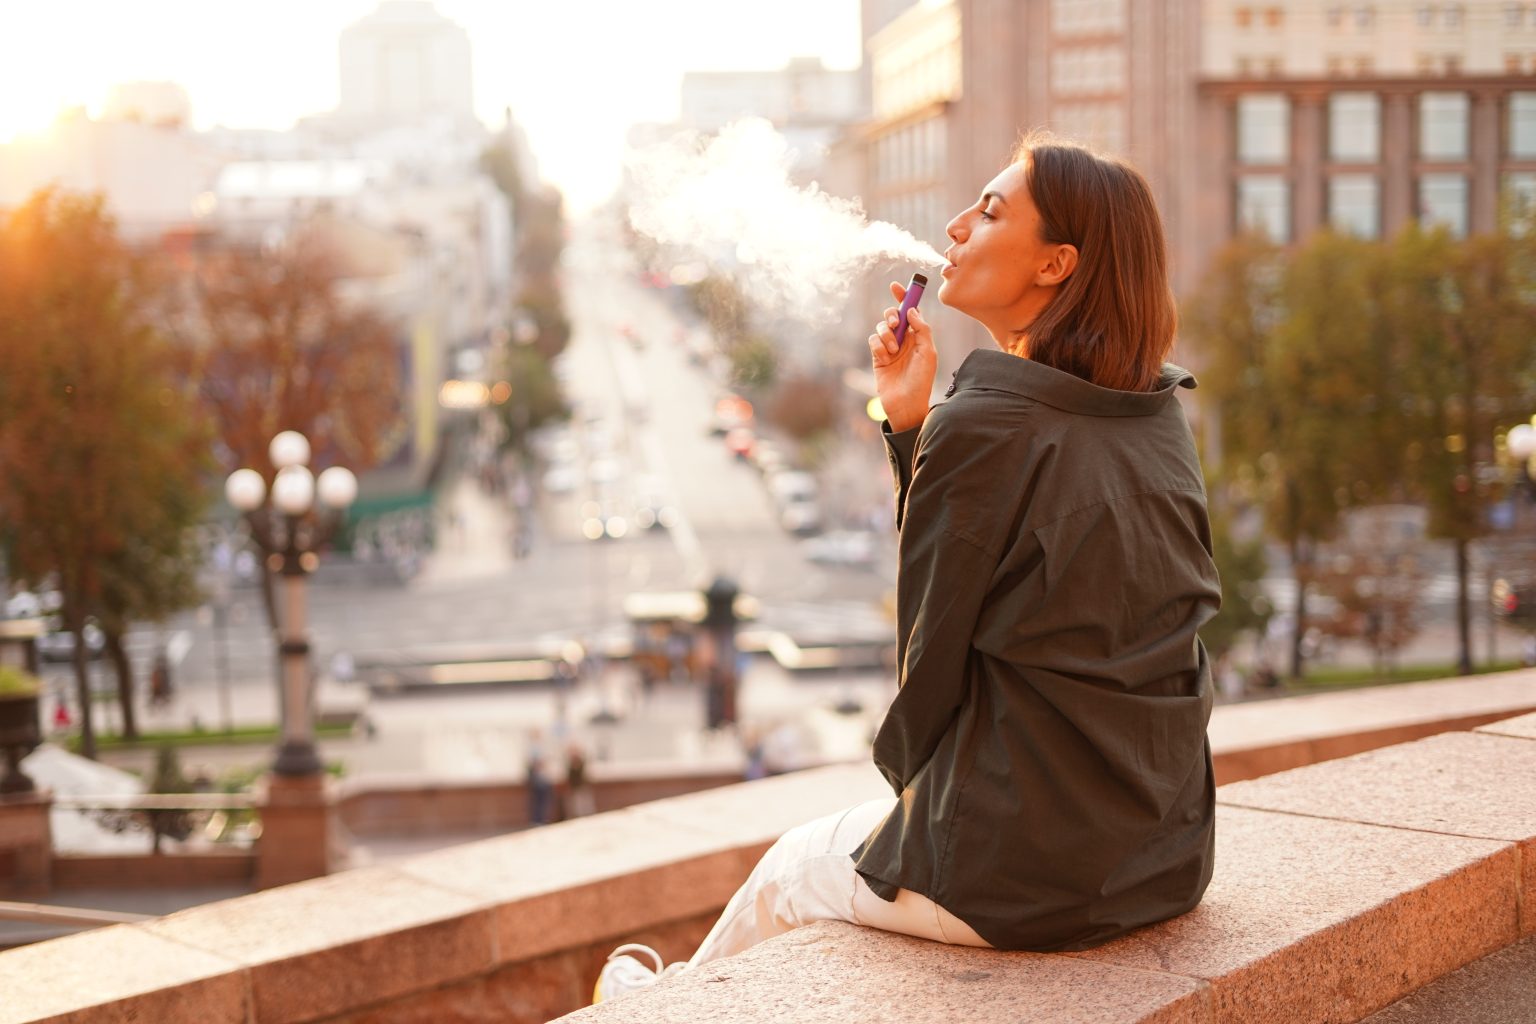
[{"x": 1112, "y": 321}]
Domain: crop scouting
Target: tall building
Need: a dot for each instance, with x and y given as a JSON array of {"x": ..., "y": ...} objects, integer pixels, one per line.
[
  {"x": 1284, "y": 115},
  {"x": 405, "y": 61}
]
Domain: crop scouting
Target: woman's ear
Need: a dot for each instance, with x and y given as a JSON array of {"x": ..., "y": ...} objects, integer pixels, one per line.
[{"x": 1060, "y": 266}]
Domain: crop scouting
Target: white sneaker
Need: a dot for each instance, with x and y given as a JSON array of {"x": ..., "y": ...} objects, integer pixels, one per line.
[{"x": 623, "y": 974}]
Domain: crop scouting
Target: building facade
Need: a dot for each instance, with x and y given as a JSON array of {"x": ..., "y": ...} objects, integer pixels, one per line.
[{"x": 1282, "y": 116}]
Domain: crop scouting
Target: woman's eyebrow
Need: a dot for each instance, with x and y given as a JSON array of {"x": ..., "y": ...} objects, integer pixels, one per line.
[{"x": 994, "y": 195}]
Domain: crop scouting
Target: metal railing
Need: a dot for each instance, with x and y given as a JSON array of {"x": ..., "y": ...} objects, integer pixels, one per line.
[{"x": 210, "y": 820}]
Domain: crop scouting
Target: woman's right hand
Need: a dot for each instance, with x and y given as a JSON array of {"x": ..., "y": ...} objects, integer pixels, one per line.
[{"x": 903, "y": 375}]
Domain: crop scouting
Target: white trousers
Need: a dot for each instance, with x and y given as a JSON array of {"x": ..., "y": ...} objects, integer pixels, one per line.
[{"x": 808, "y": 876}]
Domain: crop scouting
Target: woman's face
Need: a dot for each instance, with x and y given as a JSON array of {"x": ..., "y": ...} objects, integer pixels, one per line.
[{"x": 1000, "y": 271}]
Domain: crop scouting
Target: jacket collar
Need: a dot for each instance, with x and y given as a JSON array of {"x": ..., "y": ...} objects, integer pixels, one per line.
[{"x": 996, "y": 370}]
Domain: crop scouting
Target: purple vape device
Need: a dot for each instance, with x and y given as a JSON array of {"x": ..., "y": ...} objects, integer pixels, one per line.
[{"x": 914, "y": 293}]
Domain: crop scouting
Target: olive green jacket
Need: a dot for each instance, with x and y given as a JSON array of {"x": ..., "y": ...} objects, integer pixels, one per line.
[{"x": 1048, "y": 738}]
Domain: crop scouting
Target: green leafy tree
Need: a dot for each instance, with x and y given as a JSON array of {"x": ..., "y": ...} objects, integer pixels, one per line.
[
  {"x": 1463, "y": 314},
  {"x": 534, "y": 398},
  {"x": 1245, "y": 609},
  {"x": 100, "y": 456}
]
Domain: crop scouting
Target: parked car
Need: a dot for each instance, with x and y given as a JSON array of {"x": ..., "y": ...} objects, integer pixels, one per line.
[
  {"x": 740, "y": 441},
  {"x": 1515, "y": 602},
  {"x": 562, "y": 478},
  {"x": 801, "y": 517},
  {"x": 60, "y": 645},
  {"x": 792, "y": 485},
  {"x": 842, "y": 547},
  {"x": 730, "y": 412}
]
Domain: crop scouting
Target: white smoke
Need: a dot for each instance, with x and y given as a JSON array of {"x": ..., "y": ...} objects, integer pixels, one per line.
[{"x": 730, "y": 204}]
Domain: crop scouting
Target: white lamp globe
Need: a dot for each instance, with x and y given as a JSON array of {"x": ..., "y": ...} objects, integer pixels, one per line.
[
  {"x": 245, "y": 489},
  {"x": 290, "y": 448},
  {"x": 337, "y": 487},
  {"x": 1522, "y": 441},
  {"x": 293, "y": 492}
]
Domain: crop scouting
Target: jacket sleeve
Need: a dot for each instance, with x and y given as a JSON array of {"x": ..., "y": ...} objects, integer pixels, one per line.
[
  {"x": 900, "y": 448},
  {"x": 954, "y": 523}
]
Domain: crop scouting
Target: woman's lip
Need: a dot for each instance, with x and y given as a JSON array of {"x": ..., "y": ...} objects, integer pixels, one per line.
[{"x": 947, "y": 268}]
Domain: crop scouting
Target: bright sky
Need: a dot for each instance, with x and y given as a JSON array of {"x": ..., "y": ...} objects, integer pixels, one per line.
[{"x": 575, "y": 72}]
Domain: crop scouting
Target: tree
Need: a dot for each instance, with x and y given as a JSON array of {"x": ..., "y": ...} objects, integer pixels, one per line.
[
  {"x": 533, "y": 399},
  {"x": 100, "y": 457},
  {"x": 1245, "y": 609},
  {"x": 270, "y": 344},
  {"x": 1463, "y": 317}
]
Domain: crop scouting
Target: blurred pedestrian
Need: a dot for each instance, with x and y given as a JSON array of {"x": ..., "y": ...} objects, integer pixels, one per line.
[
  {"x": 160, "y": 681},
  {"x": 580, "y": 800},
  {"x": 541, "y": 790}
]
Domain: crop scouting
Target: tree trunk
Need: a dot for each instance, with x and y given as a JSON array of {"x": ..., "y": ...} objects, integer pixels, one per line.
[
  {"x": 123, "y": 668},
  {"x": 1463, "y": 609},
  {"x": 1299, "y": 611},
  {"x": 76, "y": 624}
]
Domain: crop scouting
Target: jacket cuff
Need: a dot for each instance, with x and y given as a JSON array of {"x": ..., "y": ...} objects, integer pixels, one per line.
[{"x": 900, "y": 448}]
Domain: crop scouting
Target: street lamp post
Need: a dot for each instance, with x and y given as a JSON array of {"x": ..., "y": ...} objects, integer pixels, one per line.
[{"x": 289, "y": 529}]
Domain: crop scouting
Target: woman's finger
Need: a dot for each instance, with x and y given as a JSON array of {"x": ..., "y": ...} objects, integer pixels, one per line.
[{"x": 898, "y": 291}]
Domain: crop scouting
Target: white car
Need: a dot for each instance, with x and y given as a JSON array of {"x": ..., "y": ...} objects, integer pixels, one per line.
[
  {"x": 801, "y": 517},
  {"x": 842, "y": 547},
  {"x": 562, "y": 478}
]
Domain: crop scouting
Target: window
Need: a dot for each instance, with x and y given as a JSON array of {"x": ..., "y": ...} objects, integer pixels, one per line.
[
  {"x": 1335, "y": 15},
  {"x": 1519, "y": 193},
  {"x": 1443, "y": 125},
  {"x": 1354, "y": 127},
  {"x": 1354, "y": 205},
  {"x": 1334, "y": 65},
  {"x": 1365, "y": 16},
  {"x": 1263, "y": 129},
  {"x": 1264, "y": 204},
  {"x": 1452, "y": 16},
  {"x": 1364, "y": 66},
  {"x": 1514, "y": 63},
  {"x": 1452, "y": 64},
  {"x": 1424, "y": 15},
  {"x": 1273, "y": 17},
  {"x": 1522, "y": 124},
  {"x": 1424, "y": 64},
  {"x": 1514, "y": 15},
  {"x": 1244, "y": 67},
  {"x": 1244, "y": 17},
  {"x": 1443, "y": 200},
  {"x": 1272, "y": 67}
]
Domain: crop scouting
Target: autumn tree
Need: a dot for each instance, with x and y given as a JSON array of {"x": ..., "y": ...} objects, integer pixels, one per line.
[
  {"x": 101, "y": 454},
  {"x": 270, "y": 343}
]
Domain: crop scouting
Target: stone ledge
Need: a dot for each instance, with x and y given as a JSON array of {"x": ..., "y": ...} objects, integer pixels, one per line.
[
  {"x": 835, "y": 973},
  {"x": 323, "y": 949},
  {"x": 1337, "y": 908},
  {"x": 1260, "y": 738},
  {"x": 1340, "y": 888}
]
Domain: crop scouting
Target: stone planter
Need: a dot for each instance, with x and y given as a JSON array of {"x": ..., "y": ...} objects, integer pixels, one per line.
[{"x": 20, "y": 734}]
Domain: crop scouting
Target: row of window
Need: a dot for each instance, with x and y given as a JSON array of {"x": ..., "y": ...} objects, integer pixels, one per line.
[
  {"x": 1449, "y": 16},
  {"x": 1354, "y": 202},
  {"x": 1088, "y": 70},
  {"x": 915, "y": 152},
  {"x": 1087, "y": 17},
  {"x": 1337, "y": 65},
  {"x": 1354, "y": 127}
]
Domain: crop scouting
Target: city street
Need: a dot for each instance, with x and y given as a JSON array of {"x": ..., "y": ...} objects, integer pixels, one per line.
[
  {"x": 648, "y": 407},
  {"x": 642, "y": 411}
]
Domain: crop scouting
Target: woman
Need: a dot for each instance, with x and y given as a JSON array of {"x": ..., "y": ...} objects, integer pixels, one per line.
[{"x": 1047, "y": 745}]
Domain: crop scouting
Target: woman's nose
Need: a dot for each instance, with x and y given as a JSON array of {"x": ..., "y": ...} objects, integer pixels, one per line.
[{"x": 955, "y": 229}]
